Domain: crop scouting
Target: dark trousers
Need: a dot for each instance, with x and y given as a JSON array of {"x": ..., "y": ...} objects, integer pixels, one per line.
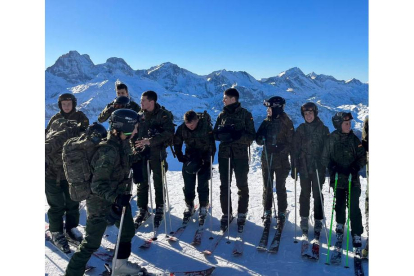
[
  {"x": 281, "y": 176},
  {"x": 341, "y": 207},
  {"x": 241, "y": 169},
  {"x": 95, "y": 229},
  {"x": 307, "y": 185},
  {"x": 202, "y": 188},
  {"x": 58, "y": 198},
  {"x": 367, "y": 202},
  {"x": 142, "y": 190}
]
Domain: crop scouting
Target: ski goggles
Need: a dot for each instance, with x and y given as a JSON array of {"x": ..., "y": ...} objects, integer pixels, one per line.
[{"x": 269, "y": 104}]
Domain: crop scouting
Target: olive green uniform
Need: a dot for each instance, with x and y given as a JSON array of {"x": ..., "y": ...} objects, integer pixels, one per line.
[
  {"x": 111, "y": 169},
  {"x": 308, "y": 143},
  {"x": 345, "y": 150},
  {"x": 158, "y": 126},
  {"x": 276, "y": 134},
  {"x": 106, "y": 113},
  {"x": 56, "y": 186},
  {"x": 365, "y": 145},
  {"x": 237, "y": 151},
  {"x": 199, "y": 144}
]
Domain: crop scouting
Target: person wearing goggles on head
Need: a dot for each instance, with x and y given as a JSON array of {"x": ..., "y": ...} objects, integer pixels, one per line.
[
  {"x": 123, "y": 100},
  {"x": 276, "y": 135},
  {"x": 344, "y": 155}
]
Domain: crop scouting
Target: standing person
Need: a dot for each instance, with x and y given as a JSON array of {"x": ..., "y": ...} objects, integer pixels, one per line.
[
  {"x": 56, "y": 186},
  {"x": 110, "y": 188},
  {"x": 276, "y": 135},
  {"x": 365, "y": 145},
  {"x": 308, "y": 143},
  {"x": 234, "y": 129},
  {"x": 197, "y": 134},
  {"x": 344, "y": 154},
  {"x": 156, "y": 131},
  {"x": 121, "y": 91}
]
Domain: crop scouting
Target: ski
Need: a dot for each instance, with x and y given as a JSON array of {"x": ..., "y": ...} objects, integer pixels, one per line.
[
  {"x": 204, "y": 272},
  {"x": 213, "y": 245},
  {"x": 274, "y": 246},
  {"x": 174, "y": 237},
  {"x": 264, "y": 239},
  {"x": 358, "y": 263},
  {"x": 147, "y": 243},
  {"x": 198, "y": 235},
  {"x": 305, "y": 248},
  {"x": 336, "y": 257},
  {"x": 238, "y": 244}
]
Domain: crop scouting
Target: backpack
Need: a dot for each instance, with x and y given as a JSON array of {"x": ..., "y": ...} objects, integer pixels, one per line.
[
  {"x": 204, "y": 116},
  {"x": 77, "y": 155},
  {"x": 59, "y": 132}
]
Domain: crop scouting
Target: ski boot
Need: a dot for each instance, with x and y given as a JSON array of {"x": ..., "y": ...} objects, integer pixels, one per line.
[
  {"x": 267, "y": 217},
  {"x": 142, "y": 216},
  {"x": 304, "y": 225},
  {"x": 356, "y": 241},
  {"x": 281, "y": 217},
  {"x": 188, "y": 212},
  {"x": 75, "y": 235},
  {"x": 365, "y": 251},
  {"x": 60, "y": 241},
  {"x": 339, "y": 232},
  {"x": 317, "y": 229},
  {"x": 202, "y": 214},
  {"x": 124, "y": 267},
  {"x": 224, "y": 222},
  {"x": 159, "y": 213},
  {"x": 241, "y": 221}
]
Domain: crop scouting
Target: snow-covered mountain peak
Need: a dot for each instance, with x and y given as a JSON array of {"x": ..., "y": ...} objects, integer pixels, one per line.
[
  {"x": 114, "y": 64},
  {"x": 312, "y": 75},
  {"x": 353, "y": 81}
]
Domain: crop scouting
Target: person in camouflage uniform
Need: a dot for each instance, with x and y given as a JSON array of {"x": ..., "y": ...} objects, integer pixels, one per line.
[
  {"x": 308, "y": 143},
  {"x": 276, "y": 135},
  {"x": 365, "y": 145},
  {"x": 121, "y": 91},
  {"x": 343, "y": 154},
  {"x": 155, "y": 133},
  {"x": 234, "y": 129},
  {"x": 111, "y": 191},
  {"x": 197, "y": 134},
  {"x": 56, "y": 186}
]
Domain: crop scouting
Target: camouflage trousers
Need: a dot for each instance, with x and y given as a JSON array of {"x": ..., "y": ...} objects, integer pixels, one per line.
[{"x": 58, "y": 198}]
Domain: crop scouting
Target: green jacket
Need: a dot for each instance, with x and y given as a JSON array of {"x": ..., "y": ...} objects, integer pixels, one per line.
[
  {"x": 56, "y": 172},
  {"x": 277, "y": 136},
  {"x": 110, "y": 167},
  {"x": 158, "y": 126},
  {"x": 343, "y": 149},
  {"x": 199, "y": 141},
  {"x": 242, "y": 120},
  {"x": 308, "y": 143},
  {"x": 106, "y": 113}
]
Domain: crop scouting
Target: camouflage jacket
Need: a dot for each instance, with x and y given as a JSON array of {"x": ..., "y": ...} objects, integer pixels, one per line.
[
  {"x": 106, "y": 113},
  {"x": 199, "y": 141},
  {"x": 110, "y": 174},
  {"x": 158, "y": 126},
  {"x": 365, "y": 134},
  {"x": 277, "y": 136},
  {"x": 54, "y": 148},
  {"x": 308, "y": 143},
  {"x": 242, "y": 120},
  {"x": 345, "y": 150}
]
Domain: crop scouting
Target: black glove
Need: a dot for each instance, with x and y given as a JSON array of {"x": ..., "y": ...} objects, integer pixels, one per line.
[
  {"x": 114, "y": 214},
  {"x": 181, "y": 157},
  {"x": 354, "y": 169},
  {"x": 336, "y": 168},
  {"x": 236, "y": 135},
  {"x": 279, "y": 148},
  {"x": 224, "y": 133},
  {"x": 292, "y": 173},
  {"x": 123, "y": 200}
]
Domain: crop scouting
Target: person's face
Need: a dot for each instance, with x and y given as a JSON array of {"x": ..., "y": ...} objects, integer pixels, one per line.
[
  {"x": 309, "y": 116},
  {"x": 192, "y": 125},
  {"x": 121, "y": 92},
  {"x": 146, "y": 104},
  {"x": 269, "y": 112},
  {"x": 66, "y": 106},
  {"x": 228, "y": 100},
  {"x": 123, "y": 136},
  {"x": 346, "y": 126}
]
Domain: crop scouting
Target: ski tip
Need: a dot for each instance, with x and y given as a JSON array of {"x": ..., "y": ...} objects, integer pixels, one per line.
[{"x": 207, "y": 252}]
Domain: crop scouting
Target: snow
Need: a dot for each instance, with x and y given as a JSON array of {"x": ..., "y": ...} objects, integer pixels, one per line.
[{"x": 182, "y": 256}]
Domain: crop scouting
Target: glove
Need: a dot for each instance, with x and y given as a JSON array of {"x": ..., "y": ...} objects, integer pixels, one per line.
[
  {"x": 114, "y": 214},
  {"x": 236, "y": 135},
  {"x": 339, "y": 169},
  {"x": 279, "y": 148},
  {"x": 181, "y": 157},
  {"x": 123, "y": 200},
  {"x": 225, "y": 137},
  {"x": 354, "y": 169},
  {"x": 292, "y": 173}
]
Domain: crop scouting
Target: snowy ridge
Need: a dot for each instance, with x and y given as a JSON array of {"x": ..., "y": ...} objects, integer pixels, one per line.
[{"x": 180, "y": 90}]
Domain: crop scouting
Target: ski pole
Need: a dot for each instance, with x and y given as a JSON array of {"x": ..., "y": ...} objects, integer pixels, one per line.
[
  {"x": 349, "y": 214},
  {"x": 150, "y": 192},
  {"x": 211, "y": 197},
  {"x": 168, "y": 197},
  {"x": 296, "y": 177},
  {"x": 323, "y": 209},
  {"x": 330, "y": 229},
  {"x": 120, "y": 229},
  {"x": 228, "y": 203},
  {"x": 163, "y": 197}
]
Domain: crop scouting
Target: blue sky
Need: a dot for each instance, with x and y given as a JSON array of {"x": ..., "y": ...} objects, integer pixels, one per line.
[{"x": 263, "y": 38}]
